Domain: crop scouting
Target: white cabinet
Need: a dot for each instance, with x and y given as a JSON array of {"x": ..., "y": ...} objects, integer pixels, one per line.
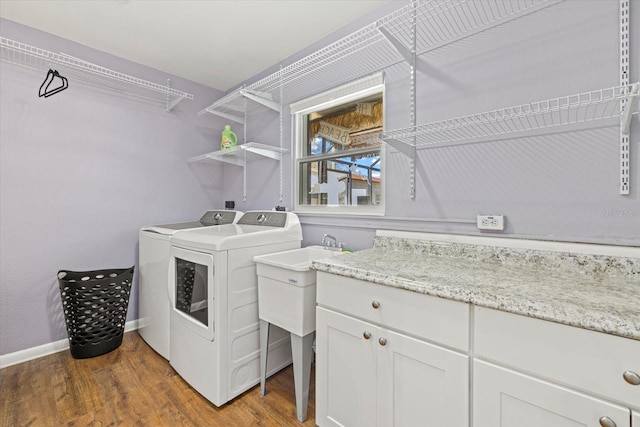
[
  {"x": 370, "y": 373},
  {"x": 390, "y": 357},
  {"x": 420, "y": 383},
  {"x": 529, "y": 372},
  {"x": 506, "y": 398},
  {"x": 345, "y": 371}
]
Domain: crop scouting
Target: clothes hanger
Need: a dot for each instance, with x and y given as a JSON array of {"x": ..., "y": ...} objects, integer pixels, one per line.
[{"x": 51, "y": 76}]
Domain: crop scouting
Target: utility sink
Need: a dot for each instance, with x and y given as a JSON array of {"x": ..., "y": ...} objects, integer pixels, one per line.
[
  {"x": 287, "y": 288},
  {"x": 287, "y": 299}
]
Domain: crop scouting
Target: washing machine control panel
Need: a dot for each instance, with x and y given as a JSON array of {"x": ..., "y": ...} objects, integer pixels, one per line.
[
  {"x": 266, "y": 218},
  {"x": 218, "y": 217}
]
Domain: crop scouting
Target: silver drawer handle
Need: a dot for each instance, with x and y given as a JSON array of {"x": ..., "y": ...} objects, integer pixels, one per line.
[
  {"x": 366, "y": 335},
  {"x": 375, "y": 304},
  {"x": 607, "y": 422},
  {"x": 631, "y": 377},
  {"x": 382, "y": 341}
]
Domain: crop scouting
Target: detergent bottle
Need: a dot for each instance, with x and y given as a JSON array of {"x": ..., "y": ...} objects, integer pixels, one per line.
[{"x": 229, "y": 138}]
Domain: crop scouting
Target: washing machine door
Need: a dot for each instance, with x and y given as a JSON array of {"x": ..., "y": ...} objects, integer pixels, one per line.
[{"x": 191, "y": 291}]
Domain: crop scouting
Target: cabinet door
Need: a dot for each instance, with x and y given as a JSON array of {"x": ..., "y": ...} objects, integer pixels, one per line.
[
  {"x": 420, "y": 383},
  {"x": 345, "y": 371},
  {"x": 635, "y": 419},
  {"x": 505, "y": 398}
]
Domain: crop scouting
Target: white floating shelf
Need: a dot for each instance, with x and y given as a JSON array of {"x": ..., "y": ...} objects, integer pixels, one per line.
[
  {"x": 581, "y": 108},
  {"x": 33, "y": 57}
]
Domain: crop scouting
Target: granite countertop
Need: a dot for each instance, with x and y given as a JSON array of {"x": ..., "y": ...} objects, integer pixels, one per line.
[{"x": 600, "y": 293}]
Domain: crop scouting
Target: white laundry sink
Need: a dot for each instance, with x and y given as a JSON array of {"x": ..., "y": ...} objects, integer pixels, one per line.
[{"x": 287, "y": 288}]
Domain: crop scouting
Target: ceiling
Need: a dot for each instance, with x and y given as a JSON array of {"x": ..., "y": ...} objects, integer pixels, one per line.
[{"x": 218, "y": 43}]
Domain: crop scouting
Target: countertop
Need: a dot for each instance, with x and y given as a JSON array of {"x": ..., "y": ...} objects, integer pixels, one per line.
[{"x": 595, "y": 292}]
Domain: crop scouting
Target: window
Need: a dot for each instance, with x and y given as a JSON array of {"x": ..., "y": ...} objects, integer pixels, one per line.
[{"x": 338, "y": 157}]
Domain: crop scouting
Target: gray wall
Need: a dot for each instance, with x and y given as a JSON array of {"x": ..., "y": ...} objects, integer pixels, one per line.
[
  {"x": 563, "y": 186},
  {"x": 80, "y": 173}
]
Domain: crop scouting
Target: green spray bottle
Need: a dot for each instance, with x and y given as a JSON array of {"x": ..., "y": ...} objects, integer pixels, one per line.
[{"x": 229, "y": 138}]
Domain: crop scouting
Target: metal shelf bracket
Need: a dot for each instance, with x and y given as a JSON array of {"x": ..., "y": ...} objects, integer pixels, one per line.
[
  {"x": 262, "y": 98},
  {"x": 397, "y": 45},
  {"x": 232, "y": 117},
  {"x": 406, "y": 149},
  {"x": 628, "y": 109},
  {"x": 171, "y": 103}
]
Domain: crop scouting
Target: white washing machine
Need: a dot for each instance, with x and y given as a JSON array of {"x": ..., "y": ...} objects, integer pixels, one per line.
[
  {"x": 213, "y": 287},
  {"x": 153, "y": 276}
]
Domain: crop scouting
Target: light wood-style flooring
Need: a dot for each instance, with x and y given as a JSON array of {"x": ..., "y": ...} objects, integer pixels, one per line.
[{"x": 133, "y": 386}]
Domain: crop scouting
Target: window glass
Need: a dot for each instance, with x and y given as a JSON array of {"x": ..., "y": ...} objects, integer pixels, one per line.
[{"x": 339, "y": 160}]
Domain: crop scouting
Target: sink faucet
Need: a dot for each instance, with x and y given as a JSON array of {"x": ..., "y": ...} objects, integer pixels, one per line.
[{"x": 330, "y": 242}]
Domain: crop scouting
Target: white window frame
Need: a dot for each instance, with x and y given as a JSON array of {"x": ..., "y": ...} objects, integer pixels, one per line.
[{"x": 341, "y": 95}]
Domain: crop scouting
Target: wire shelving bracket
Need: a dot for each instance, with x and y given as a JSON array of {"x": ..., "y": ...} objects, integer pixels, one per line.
[{"x": 34, "y": 57}]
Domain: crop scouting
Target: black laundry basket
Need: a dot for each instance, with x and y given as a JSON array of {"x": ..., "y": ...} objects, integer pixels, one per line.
[{"x": 95, "y": 309}]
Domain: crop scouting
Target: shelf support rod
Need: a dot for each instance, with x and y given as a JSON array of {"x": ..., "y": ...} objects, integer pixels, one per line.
[
  {"x": 281, "y": 124},
  {"x": 262, "y": 98},
  {"x": 412, "y": 100},
  {"x": 244, "y": 154},
  {"x": 626, "y": 105}
]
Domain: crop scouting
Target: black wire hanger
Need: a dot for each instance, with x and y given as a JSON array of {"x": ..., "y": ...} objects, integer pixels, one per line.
[{"x": 61, "y": 84}]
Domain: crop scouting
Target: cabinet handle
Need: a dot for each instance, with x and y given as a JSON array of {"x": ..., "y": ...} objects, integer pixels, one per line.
[
  {"x": 382, "y": 341},
  {"x": 607, "y": 422},
  {"x": 631, "y": 377},
  {"x": 375, "y": 304},
  {"x": 366, "y": 335}
]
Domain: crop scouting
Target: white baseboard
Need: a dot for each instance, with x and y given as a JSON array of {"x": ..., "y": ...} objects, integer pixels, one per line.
[{"x": 47, "y": 349}]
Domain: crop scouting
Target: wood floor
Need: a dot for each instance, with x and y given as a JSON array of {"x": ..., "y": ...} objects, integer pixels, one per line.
[{"x": 133, "y": 386}]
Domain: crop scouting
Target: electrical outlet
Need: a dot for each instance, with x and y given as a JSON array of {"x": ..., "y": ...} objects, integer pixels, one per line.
[{"x": 490, "y": 222}]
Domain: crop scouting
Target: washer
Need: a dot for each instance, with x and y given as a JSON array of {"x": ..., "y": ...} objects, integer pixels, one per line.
[
  {"x": 153, "y": 270},
  {"x": 213, "y": 288}
]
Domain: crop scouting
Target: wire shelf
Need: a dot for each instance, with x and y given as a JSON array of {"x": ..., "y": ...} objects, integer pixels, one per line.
[
  {"x": 240, "y": 154},
  {"x": 36, "y": 58},
  {"x": 380, "y": 45},
  {"x": 581, "y": 108}
]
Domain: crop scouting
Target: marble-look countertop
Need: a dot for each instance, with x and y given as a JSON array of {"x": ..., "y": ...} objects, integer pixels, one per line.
[{"x": 600, "y": 293}]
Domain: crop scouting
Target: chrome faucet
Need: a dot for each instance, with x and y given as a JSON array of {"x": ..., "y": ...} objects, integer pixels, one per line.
[{"x": 330, "y": 242}]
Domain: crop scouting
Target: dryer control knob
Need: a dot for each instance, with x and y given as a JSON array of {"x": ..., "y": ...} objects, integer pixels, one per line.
[
  {"x": 217, "y": 216},
  {"x": 261, "y": 218}
]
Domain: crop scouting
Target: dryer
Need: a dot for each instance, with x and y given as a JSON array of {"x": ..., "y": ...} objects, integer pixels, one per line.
[
  {"x": 213, "y": 288},
  {"x": 153, "y": 274}
]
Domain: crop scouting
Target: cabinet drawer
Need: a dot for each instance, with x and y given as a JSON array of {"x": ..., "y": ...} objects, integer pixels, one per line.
[
  {"x": 505, "y": 398},
  {"x": 591, "y": 361},
  {"x": 424, "y": 316}
]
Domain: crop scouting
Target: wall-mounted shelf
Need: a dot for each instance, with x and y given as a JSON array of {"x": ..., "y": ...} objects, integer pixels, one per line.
[
  {"x": 380, "y": 45},
  {"x": 423, "y": 26},
  {"x": 33, "y": 57},
  {"x": 574, "y": 109},
  {"x": 234, "y": 106},
  {"x": 240, "y": 155}
]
